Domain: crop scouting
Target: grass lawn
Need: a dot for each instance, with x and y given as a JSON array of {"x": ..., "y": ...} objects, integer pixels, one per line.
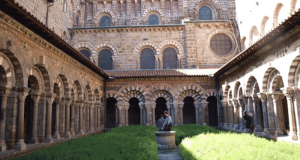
[
  {"x": 214, "y": 144},
  {"x": 132, "y": 143}
]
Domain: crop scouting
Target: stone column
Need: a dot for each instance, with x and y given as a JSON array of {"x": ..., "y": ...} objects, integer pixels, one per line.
[
  {"x": 36, "y": 97},
  {"x": 289, "y": 93},
  {"x": 91, "y": 121},
  {"x": 204, "y": 108},
  {"x": 153, "y": 116},
  {"x": 120, "y": 116},
  {"x": 263, "y": 98},
  {"x": 181, "y": 113},
  {"x": 67, "y": 118},
  {"x": 169, "y": 108},
  {"x": 98, "y": 105},
  {"x": 49, "y": 97},
  {"x": 241, "y": 118},
  {"x": 126, "y": 114},
  {"x": 296, "y": 99},
  {"x": 81, "y": 120},
  {"x": 197, "y": 112},
  {"x": 22, "y": 93},
  {"x": 73, "y": 105},
  {"x": 236, "y": 113},
  {"x": 230, "y": 114},
  {"x": 270, "y": 113},
  {"x": 224, "y": 104},
  {"x": 147, "y": 105},
  {"x": 56, "y": 132},
  {"x": 4, "y": 92},
  {"x": 245, "y": 99},
  {"x": 256, "y": 113},
  {"x": 176, "y": 114},
  {"x": 277, "y": 97},
  {"x": 141, "y": 104}
]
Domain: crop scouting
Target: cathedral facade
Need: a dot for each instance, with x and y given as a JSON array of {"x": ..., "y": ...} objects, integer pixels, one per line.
[{"x": 76, "y": 67}]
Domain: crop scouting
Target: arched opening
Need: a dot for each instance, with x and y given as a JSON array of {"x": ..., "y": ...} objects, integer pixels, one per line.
[
  {"x": 161, "y": 106},
  {"x": 189, "y": 116},
  {"x": 28, "y": 111},
  {"x": 286, "y": 122},
  {"x": 147, "y": 59},
  {"x": 205, "y": 13},
  {"x": 53, "y": 118},
  {"x": 134, "y": 112},
  {"x": 86, "y": 53},
  {"x": 153, "y": 20},
  {"x": 212, "y": 111},
  {"x": 105, "y": 59},
  {"x": 170, "y": 58},
  {"x": 111, "y": 112},
  {"x": 105, "y": 21}
]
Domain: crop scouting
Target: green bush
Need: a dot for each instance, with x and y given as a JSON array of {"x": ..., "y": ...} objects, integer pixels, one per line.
[
  {"x": 132, "y": 142},
  {"x": 214, "y": 144}
]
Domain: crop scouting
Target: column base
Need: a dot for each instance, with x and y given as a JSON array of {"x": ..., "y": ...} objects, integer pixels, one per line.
[
  {"x": 236, "y": 126},
  {"x": 3, "y": 146},
  {"x": 81, "y": 133},
  {"x": 34, "y": 141},
  {"x": 72, "y": 131},
  {"x": 225, "y": 125},
  {"x": 56, "y": 136},
  {"x": 20, "y": 145},
  {"x": 278, "y": 132},
  {"x": 266, "y": 131},
  {"x": 91, "y": 131},
  {"x": 49, "y": 139},
  {"x": 204, "y": 124},
  {"x": 258, "y": 129},
  {"x": 68, "y": 135},
  {"x": 231, "y": 125},
  {"x": 147, "y": 124},
  {"x": 293, "y": 135}
]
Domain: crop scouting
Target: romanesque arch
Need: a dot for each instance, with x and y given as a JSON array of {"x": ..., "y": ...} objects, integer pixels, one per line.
[
  {"x": 193, "y": 90},
  {"x": 236, "y": 87},
  {"x": 7, "y": 72},
  {"x": 67, "y": 92},
  {"x": 212, "y": 5},
  {"x": 125, "y": 89},
  {"x": 105, "y": 11},
  {"x": 78, "y": 91},
  {"x": 158, "y": 87},
  {"x": 81, "y": 45},
  {"x": 253, "y": 36},
  {"x": 97, "y": 48},
  {"x": 144, "y": 44},
  {"x": 59, "y": 88},
  {"x": 149, "y": 10},
  {"x": 111, "y": 94},
  {"x": 166, "y": 43}
]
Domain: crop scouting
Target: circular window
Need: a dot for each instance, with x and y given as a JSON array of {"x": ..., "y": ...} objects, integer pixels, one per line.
[{"x": 221, "y": 44}]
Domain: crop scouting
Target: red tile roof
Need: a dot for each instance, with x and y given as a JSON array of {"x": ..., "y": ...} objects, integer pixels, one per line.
[{"x": 162, "y": 73}]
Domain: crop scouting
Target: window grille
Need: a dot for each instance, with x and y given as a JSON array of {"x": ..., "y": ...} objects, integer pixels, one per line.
[
  {"x": 205, "y": 13},
  {"x": 105, "y": 21},
  {"x": 170, "y": 58},
  {"x": 221, "y": 44},
  {"x": 153, "y": 20},
  {"x": 86, "y": 53},
  {"x": 105, "y": 59},
  {"x": 147, "y": 59}
]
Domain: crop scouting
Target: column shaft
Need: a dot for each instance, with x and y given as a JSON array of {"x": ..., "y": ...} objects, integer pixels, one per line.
[{"x": 4, "y": 94}]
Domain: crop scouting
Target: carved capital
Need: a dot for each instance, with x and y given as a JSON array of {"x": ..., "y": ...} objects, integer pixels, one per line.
[
  {"x": 50, "y": 97},
  {"x": 204, "y": 104},
  {"x": 22, "y": 93},
  {"x": 241, "y": 102},
  {"x": 288, "y": 92},
  {"x": 224, "y": 102},
  {"x": 4, "y": 92},
  {"x": 277, "y": 97},
  {"x": 262, "y": 96}
]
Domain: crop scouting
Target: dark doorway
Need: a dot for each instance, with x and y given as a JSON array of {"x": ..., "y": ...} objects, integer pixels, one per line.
[
  {"x": 261, "y": 115},
  {"x": 285, "y": 116},
  {"x": 212, "y": 111},
  {"x": 189, "y": 116},
  {"x": 161, "y": 106},
  {"x": 111, "y": 112},
  {"x": 134, "y": 112},
  {"x": 28, "y": 116}
]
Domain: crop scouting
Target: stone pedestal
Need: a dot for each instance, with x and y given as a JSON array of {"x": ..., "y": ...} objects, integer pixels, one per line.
[{"x": 166, "y": 140}]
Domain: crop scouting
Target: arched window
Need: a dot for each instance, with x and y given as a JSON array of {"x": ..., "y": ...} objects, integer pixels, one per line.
[
  {"x": 105, "y": 21},
  {"x": 147, "y": 59},
  {"x": 105, "y": 59},
  {"x": 170, "y": 58},
  {"x": 153, "y": 20},
  {"x": 86, "y": 53},
  {"x": 205, "y": 13}
]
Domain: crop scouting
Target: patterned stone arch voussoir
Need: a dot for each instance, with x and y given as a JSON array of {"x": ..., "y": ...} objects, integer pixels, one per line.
[
  {"x": 128, "y": 88},
  {"x": 97, "y": 48},
  {"x": 269, "y": 75},
  {"x": 77, "y": 87},
  {"x": 161, "y": 93},
  {"x": 293, "y": 78},
  {"x": 37, "y": 83},
  {"x": 161, "y": 13},
  {"x": 209, "y": 93},
  {"x": 7, "y": 72},
  {"x": 138, "y": 48},
  {"x": 59, "y": 89},
  {"x": 209, "y": 3},
  {"x": 158, "y": 87},
  {"x": 250, "y": 84},
  {"x": 236, "y": 87},
  {"x": 103, "y": 11},
  {"x": 173, "y": 43},
  {"x": 48, "y": 82},
  {"x": 85, "y": 45},
  {"x": 112, "y": 94},
  {"x": 133, "y": 94},
  {"x": 193, "y": 90}
]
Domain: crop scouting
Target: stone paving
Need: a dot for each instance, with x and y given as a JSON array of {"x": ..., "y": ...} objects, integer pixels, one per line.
[{"x": 169, "y": 155}]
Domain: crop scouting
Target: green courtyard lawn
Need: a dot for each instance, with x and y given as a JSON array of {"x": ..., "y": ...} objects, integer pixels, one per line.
[
  {"x": 132, "y": 143},
  {"x": 214, "y": 144},
  {"x": 195, "y": 142}
]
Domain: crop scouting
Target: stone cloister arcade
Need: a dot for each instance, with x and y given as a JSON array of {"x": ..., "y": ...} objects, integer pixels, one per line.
[
  {"x": 268, "y": 87},
  {"x": 136, "y": 104}
]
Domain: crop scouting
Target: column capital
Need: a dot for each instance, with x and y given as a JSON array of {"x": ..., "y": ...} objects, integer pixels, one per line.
[
  {"x": 50, "y": 97},
  {"x": 262, "y": 96},
  {"x": 5, "y": 91},
  {"x": 68, "y": 101},
  {"x": 277, "y": 96},
  {"x": 241, "y": 102},
  {"x": 204, "y": 104},
  {"x": 234, "y": 101},
  {"x": 288, "y": 92},
  {"x": 245, "y": 99},
  {"x": 22, "y": 93},
  {"x": 224, "y": 102}
]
